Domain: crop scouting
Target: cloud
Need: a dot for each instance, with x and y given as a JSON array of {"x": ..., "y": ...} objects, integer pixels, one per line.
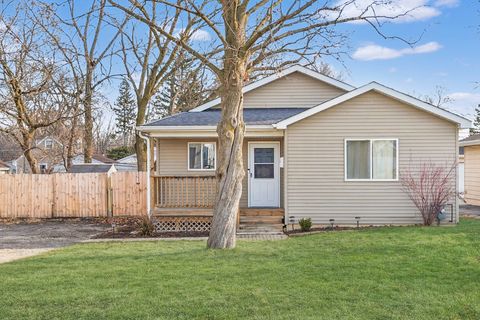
[
  {"x": 392, "y": 70},
  {"x": 404, "y": 10},
  {"x": 464, "y": 102},
  {"x": 201, "y": 35},
  {"x": 376, "y": 52},
  {"x": 197, "y": 35},
  {"x": 447, "y": 3}
]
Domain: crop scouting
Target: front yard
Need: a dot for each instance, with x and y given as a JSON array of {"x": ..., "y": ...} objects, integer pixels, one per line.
[{"x": 385, "y": 273}]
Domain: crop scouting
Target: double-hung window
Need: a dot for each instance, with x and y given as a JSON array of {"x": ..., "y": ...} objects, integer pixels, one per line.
[
  {"x": 201, "y": 156},
  {"x": 371, "y": 159}
]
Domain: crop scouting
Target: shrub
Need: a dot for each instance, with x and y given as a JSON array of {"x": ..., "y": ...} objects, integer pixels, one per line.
[
  {"x": 305, "y": 224},
  {"x": 146, "y": 227},
  {"x": 430, "y": 187}
]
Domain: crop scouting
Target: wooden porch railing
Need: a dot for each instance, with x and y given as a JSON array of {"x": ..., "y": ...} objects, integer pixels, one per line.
[{"x": 184, "y": 191}]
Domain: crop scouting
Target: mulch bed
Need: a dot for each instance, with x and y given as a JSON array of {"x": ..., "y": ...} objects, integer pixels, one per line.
[
  {"x": 128, "y": 228},
  {"x": 324, "y": 229}
]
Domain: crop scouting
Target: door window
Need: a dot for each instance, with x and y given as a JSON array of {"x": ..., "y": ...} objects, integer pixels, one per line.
[{"x": 264, "y": 163}]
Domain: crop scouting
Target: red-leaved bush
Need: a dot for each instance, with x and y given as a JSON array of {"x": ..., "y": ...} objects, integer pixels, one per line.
[{"x": 430, "y": 186}]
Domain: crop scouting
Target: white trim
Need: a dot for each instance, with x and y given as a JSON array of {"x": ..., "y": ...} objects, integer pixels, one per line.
[
  {"x": 469, "y": 143},
  {"x": 276, "y": 165},
  {"x": 208, "y": 132},
  {"x": 276, "y": 76},
  {"x": 371, "y": 140},
  {"x": 461, "y": 121},
  {"x": 201, "y": 155}
]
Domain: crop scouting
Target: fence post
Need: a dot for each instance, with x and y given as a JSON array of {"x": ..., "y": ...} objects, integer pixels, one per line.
[{"x": 109, "y": 195}]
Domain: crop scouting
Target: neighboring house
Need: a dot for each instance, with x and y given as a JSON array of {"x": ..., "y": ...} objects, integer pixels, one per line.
[
  {"x": 48, "y": 151},
  {"x": 461, "y": 171},
  {"x": 79, "y": 159},
  {"x": 471, "y": 159},
  {"x": 4, "y": 168},
  {"x": 93, "y": 168},
  {"x": 314, "y": 147}
]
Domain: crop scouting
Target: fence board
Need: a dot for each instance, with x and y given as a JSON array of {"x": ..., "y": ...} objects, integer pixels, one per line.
[
  {"x": 70, "y": 195},
  {"x": 129, "y": 193}
]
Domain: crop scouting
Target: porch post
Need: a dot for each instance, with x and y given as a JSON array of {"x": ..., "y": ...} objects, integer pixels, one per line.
[{"x": 147, "y": 140}]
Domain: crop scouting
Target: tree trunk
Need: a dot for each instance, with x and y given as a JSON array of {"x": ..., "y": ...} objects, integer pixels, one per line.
[
  {"x": 230, "y": 170},
  {"x": 27, "y": 152},
  {"x": 140, "y": 146},
  {"x": 88, "y": 134},
  {"x": 230, "y": 130}
]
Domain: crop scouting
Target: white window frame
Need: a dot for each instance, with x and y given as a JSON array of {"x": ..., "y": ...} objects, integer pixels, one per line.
[
  {"x": 201, "y": 155},
  {"x": 50, "y": 144},
  {"x": 371, "y": 158}
]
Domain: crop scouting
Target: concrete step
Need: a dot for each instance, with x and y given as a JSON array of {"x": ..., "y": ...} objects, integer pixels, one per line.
[
  {"x": 261, "y": 228},
  {"x": 261, "y": 219}
]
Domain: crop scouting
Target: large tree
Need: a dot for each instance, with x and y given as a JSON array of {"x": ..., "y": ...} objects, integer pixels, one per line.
[
  {"x": 35, "y": 83},
  {"x": 248, "y": 36},
  {"x": 90, "y": 35}
]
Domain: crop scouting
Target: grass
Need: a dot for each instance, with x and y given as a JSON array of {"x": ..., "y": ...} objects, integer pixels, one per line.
[{"x": 384, "y": 273}]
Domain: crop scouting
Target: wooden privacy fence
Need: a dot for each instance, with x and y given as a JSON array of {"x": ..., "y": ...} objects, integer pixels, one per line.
[{"x": 72, "y": 195}]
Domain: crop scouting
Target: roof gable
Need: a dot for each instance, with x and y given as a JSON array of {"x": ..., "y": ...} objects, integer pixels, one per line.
[
  {"x": 265, "y": 81},
  {"x": 374, "y": 86}
]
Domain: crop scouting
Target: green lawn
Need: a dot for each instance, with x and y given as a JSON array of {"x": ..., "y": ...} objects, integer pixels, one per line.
[{"x": 384, "y": 273}]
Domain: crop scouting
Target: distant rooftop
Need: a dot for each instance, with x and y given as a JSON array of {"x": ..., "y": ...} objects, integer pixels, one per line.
[
  {"x": 90, "y": 168},
  {"x": 472, "y": 140}
]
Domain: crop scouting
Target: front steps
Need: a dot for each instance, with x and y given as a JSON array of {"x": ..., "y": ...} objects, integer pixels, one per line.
[{"x": 268, "y": 221}]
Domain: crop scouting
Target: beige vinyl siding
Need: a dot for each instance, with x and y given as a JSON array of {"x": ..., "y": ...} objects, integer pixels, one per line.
[
  {"x": 472, "y": 174},
  {"x": 293, "y": 91},
  {"x": 172, "y": 156},
  {"x": 315, "y": 160}
]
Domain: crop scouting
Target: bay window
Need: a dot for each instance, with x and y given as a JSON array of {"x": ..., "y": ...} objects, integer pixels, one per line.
[{"x": 371, "y": 159}]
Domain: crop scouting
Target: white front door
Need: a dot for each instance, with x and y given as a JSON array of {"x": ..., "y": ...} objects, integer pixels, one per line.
[{"x": 263, "y": 174}]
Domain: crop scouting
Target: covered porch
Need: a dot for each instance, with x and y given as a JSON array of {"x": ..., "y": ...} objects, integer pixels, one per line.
[{"x": 182, "y": 192}]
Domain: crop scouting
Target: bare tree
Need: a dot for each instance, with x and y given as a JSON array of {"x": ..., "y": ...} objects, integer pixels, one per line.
[
  {"x": 251, "y": 36},
  {"x": 439, "y": 98},
  {"x": 430, "y": 187},
  {"x": 150, "y": 58},
  {"x": 90, "y": 35},
  {"x": 32, "y": 82}
]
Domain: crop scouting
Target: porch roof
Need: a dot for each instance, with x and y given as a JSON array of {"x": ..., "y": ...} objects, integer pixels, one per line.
[{"x": 211, "y": 117}]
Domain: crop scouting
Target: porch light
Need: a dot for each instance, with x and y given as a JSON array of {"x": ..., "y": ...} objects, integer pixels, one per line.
[
  {"x": 358, "y": 221},
  {"x": 332, "y": 221}
]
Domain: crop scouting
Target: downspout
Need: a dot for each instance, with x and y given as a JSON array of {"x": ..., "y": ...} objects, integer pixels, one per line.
[{"x": 147, "y": 140}]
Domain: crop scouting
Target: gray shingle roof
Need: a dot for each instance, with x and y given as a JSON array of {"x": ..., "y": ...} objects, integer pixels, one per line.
[
  {"x": 260, "y": 116},
  {"x": 89, "y": 168},
  {"x": 473, "y": 137}
]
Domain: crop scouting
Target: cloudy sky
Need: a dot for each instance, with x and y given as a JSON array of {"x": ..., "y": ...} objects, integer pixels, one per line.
[{"x": 446, "y": 54}]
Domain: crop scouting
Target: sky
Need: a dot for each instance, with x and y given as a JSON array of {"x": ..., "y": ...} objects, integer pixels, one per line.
[{"x": 446, "y": 54}]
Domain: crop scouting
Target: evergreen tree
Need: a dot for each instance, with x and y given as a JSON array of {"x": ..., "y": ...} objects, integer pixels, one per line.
[
  {"x": 183, "y": 90},
  {"x": 476, "y": 122},
  {"x": 124, "y": 109}
]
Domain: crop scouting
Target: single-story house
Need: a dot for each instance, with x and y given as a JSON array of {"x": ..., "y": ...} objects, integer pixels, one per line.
[
  {"x": 4, "y": 168},
  {"x": 315, "y": 147},
  {"x": 471, "y": 160}
]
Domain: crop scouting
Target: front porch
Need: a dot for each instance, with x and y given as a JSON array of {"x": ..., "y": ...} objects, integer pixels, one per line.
[{"x": 185, "y": 203}]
